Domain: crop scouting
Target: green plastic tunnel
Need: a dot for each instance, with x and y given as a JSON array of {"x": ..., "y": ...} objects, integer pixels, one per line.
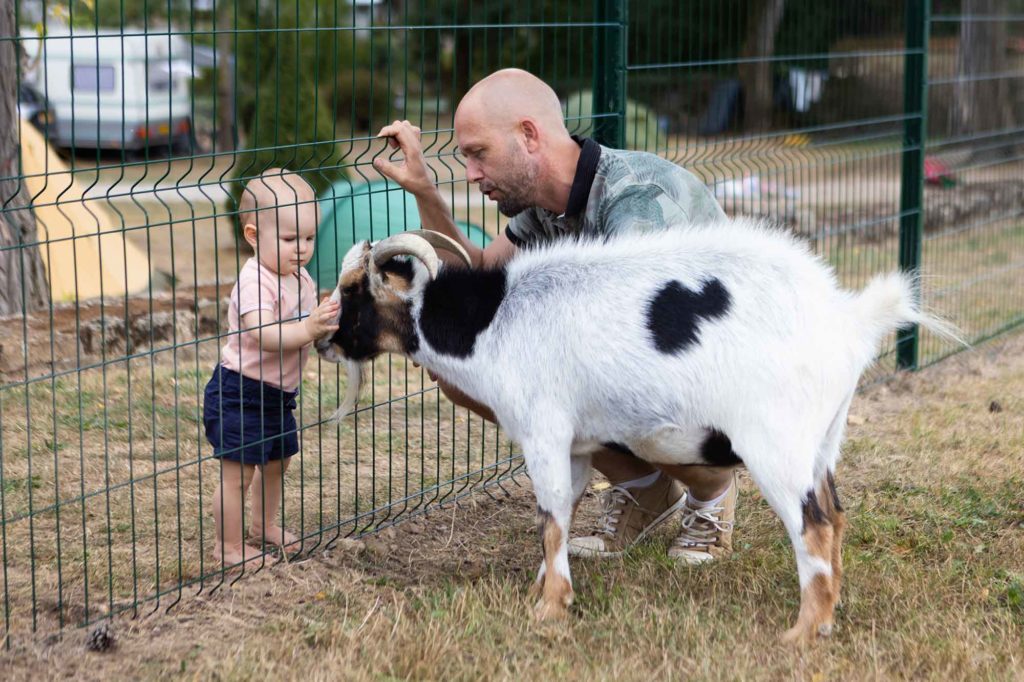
[{"x": 351, "y": 212}]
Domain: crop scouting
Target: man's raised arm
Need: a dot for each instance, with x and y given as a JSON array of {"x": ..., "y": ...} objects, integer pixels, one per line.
[{"x": 413, "y": 175}]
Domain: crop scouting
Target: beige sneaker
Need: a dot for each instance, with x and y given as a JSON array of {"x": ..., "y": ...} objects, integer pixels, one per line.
[
  {"x": 628, "y": 515},
  {"x": 706, "y": 533}
]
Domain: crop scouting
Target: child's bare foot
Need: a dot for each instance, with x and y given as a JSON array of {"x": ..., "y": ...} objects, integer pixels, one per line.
[
  {"x": 277, "y": 537},
  {"x": 237, "y": 558}
]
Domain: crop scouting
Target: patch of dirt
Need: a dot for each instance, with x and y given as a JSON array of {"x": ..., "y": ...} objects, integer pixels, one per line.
[
  {"x": 72, "y": 336},
  {"x": 990, "y": 360}
]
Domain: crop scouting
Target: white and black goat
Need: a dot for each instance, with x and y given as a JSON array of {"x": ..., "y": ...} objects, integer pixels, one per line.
[{"x": 719, "y": 345}]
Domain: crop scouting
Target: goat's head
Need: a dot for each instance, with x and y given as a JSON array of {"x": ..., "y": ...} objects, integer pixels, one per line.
[{"x": 377, "y": 287}]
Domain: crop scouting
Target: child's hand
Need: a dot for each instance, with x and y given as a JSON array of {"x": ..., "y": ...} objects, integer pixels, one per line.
[{"x": 324, "y": 319}]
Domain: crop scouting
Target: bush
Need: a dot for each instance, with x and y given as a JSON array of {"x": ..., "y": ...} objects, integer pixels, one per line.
[
  {"x": 296, "y": 138},
  {"x": 363, "y": 101},
  {"x": 286, "y": 119}
]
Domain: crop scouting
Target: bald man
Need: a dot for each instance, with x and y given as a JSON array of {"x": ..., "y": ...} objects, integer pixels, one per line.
[{"x": 512, "y": 136}]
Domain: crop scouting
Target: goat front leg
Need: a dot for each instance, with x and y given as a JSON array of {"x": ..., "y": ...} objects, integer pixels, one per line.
[
  {"x": 581, "y": 473},
  {"x": 548, "y": 462}
]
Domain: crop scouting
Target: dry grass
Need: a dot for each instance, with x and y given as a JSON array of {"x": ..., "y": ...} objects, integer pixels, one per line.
[
  {"x": 934, "y": 578},
  {"x": 935, "y": 556},
  {"x": 121, "y": 449}
]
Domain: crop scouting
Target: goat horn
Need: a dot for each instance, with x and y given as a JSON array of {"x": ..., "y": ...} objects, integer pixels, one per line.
[
  {"x": 406, "y": 244},
  {"x": 442, "y": 242}
]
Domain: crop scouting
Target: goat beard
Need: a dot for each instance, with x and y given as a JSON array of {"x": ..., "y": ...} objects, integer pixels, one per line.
[{"x": 354, "y": 370}]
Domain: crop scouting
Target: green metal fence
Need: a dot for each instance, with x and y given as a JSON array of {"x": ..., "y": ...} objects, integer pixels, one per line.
[{"x": 886, "y": 134}]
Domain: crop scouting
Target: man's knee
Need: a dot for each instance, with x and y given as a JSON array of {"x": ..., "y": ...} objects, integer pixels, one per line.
[
  {"x": 619, "y": 465},
  {"x": 703, "y": 482}
]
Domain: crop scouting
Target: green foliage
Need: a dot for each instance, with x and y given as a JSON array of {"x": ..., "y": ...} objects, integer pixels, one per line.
[
  {"x": 505, "y": 34},
  {"x": 281, "y": 51},
  {"x": 152, "y": 14},
  {"x": 542, "y": 40},
  {"x": 285, "y": 115},
  {"x": 363, "y": 103}
]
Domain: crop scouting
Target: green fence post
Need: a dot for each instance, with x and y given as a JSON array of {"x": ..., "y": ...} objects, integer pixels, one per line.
[
  {"x": 610, "y": 72},
  {"x": 915, "y": 130}
]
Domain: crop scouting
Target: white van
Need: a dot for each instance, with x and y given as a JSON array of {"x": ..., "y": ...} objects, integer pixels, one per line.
[{"x": 113, "y": 90}]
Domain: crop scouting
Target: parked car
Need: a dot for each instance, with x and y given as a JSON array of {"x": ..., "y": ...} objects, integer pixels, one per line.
[
  {"x": 34, "y": 108},
  {"x": 113, "y": 91}
]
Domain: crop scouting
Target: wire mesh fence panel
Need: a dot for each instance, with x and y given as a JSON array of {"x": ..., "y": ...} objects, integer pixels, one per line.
[
  {"x": 131, "y": 128},
  {"x": 973, "y": 210},
  {"x": 791, "y": 111}
]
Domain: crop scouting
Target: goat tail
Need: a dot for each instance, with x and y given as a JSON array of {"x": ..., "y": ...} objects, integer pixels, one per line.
[
  {"x": 892, "y": 301},
  {"x": 352, "y": 389}
]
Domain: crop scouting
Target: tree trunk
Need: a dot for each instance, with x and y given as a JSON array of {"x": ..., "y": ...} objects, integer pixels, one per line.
[
  {"x": 23, "y": 283},
  {"x": 982, "y": 103},
  {"x": 756, "y": 76}
]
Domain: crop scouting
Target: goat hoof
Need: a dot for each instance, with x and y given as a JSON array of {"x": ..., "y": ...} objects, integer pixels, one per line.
[
  {"x": 798, "y": 635},
  {"x": 806, "y": 634},
  {"x": 548, "y": 611}
]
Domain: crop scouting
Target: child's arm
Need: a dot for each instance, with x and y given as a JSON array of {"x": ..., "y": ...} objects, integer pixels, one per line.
[{"x": 275, "y": 335}]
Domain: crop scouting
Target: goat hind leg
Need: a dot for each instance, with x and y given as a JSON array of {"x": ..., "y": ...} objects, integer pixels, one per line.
[
  {"x": 838, "y": 519},
  {"x": 812, "y": 534},
  {"x": 828, "y": 456},
  {"x": 795, "y": 499}
]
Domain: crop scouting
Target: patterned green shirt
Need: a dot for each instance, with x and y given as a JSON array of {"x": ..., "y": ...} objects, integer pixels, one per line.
[{"x": 616, "y": 190}]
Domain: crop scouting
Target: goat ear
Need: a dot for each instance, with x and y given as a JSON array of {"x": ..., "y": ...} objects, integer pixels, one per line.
[
  {"x": 375, "y": 277},
  {"x": 396, "y": 275},
  {"x": 387, "y": 282}
]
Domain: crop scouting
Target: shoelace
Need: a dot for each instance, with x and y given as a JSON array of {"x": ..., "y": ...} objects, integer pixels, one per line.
[
  {"x": 612, "y": 503},
  {"x": 700, "y": 527}
]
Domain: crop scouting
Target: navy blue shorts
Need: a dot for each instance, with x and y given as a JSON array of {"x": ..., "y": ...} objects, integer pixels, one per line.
[{"x": 248, "y": 421}]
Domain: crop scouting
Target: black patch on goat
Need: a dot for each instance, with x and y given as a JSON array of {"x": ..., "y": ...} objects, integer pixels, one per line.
[
  {"x": 543, "y": 517},
  {"x": 813, "y": 514},
  {"x": 362, "y": 320},
  {"x": 458, "y": 305},
  {"x": 832, "y": 491},
  {"x": 617, "y": 447},
  {"x": 675, "y": 312},
  {"x": 716, "y": 450}
]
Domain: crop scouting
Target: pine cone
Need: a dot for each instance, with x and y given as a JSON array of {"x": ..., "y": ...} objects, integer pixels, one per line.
[{"x": 101, "y": 638}]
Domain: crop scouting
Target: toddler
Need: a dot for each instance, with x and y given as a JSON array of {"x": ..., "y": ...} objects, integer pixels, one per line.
[{"x": 273, "y": 321}]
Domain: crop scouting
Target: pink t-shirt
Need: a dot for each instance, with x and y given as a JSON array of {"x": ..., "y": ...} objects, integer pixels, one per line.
[{"x": 289, "y": 299}]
